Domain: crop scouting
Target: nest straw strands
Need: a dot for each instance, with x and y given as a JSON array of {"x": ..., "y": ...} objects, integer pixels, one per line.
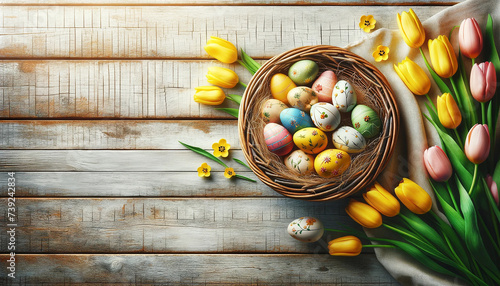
[{"x": 372, "y": 89}]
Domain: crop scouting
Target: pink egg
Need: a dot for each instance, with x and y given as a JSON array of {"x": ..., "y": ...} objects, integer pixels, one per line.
[
  {"x": 278, "y": 139},
  {"x": 323, "y": 86}
]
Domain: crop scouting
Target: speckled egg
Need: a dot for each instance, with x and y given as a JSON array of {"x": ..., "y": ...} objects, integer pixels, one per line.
[
  {"x": 344, "y": 97},
  {"x": 323, "y": 86},
  {"x": 280, "y": 86},
  {"x": 271, "y": 110},
  {"x": 306, "y": 229},
  {"x": 278, "y": 139},
  {"x": 295, "y": 119},
  {"x": 331, "y": 163},
  {"x": 303, "y": 72},
  {"x": 325, "y": 116},
  {"x": 302, "y": 97},
  {"x": 366, "y": 121},
  {"x": 348, "y": 139},
  {"x": 300, "y": 162},
  {"x": 310, "y": 140}
]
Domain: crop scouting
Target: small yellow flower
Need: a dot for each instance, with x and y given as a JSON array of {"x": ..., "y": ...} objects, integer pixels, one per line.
[
  {"x": 221, "y": 148},
  {"x": 367, "y": 23},
  {"x": 204, "y": 170},
  {"x": 381, "y": 53},
  {"x": 229, "y": 172}
]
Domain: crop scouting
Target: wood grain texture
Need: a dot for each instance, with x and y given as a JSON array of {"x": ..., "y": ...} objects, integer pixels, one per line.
[
  {"x": 197, "y": 269},
  {"x": 180, "y": 225},
  {"x": 225, "y": 2}
]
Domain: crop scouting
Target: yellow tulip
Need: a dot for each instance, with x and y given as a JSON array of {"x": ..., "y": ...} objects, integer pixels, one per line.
[
  {"x": 382, "y": 200},
  {"x": 413, "y": 196},
  {"x": 443, "y": 58},
  {"x": 448, "y": 111},
  {"x": 204, "y": 170},
  {"x": 413, "y": 76},
  {"x": 222, "y": 50},
  {"x": 411, "y": 29},
  {"x": 363, "y": 214},
  {"x": 345, "y": 246},
  {"x": 222, "y": 77},
  {"x": 210, "y": 95}
]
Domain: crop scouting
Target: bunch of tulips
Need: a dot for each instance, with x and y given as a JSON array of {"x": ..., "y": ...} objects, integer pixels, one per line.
[{"x": 464, "y": 172}]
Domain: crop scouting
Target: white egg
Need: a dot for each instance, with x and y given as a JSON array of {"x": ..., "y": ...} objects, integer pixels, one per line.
[
  {"x": 349, "y": 140},
  {"x": 325, "y": 116},
  {"x": 344, "y": 97},
  {"x": 306, "y": 229},
  {"x": 300, "y": 162}
]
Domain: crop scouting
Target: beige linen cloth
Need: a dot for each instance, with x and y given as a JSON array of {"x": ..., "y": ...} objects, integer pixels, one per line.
[{"x": 415, "y": 134}]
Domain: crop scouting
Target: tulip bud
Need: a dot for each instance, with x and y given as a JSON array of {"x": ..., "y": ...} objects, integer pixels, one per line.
[
  {"x": 413, "y": 196},
  {"x": 345, "y": 246},
  {"x": 492, "y": 185},
  {"x": 210, "y": 95},
  {"x": 222, "y": 50},
  {"x": 222, "y": 77},
  {"x": 477, "y": 144},
  {"x": 413, "y": 76},
  {"x": 483, "y": 81},
  {"x": 448, "y": 111},
  {"x": 470, "y": 38},
  {"x": 443, "y": 58},
  {"x": 363, "y": 214},
  {"x": 437, "y": 164},
  {"x": 411, "y": 29},
  {"x": 380, "y": 199}
]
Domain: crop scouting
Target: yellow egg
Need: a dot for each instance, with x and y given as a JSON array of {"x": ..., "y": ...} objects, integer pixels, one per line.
[
  {"x": 310, "y": 140},
  {"x": 280, "y": 86},
  {"x": 331, "y": 163}
]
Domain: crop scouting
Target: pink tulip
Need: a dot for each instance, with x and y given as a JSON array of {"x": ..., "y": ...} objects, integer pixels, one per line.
[
  {"x": 470, "y": 38},
  {"x": 483, "y": 81},
  {"x": 492, "y": 185},
  {"x": 437, "y": 164},
  {"x": 477, "y": 144}
]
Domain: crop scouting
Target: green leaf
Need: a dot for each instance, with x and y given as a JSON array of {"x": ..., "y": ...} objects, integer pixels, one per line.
[
  {"x": 204, "y": 153},
  {"x": 456, "y": 220},
  {"x": 441, "y": 84},
  {"x": 242, "y": 163},
  {"x": 231, "y": 111},
  {"x": 235, "y": 97},
  {"x": 496, "y": 174},
  {"x": 457, "y": 157},
  {"x": 491, "y": 201},
  {"x": 250, "y": 62},
  {"x": 489, "y": 44},
  {"x": 468, "y": 109},
  {"x": 245, "y": 178}
]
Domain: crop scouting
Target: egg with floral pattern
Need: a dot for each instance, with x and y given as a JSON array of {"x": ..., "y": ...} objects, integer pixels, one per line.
[
  {"x": 348, "y": 139},
  {"x": 303, "y": 72},
  {"x": 331, "y": 163},
  {"x": 344, "y": 96},
  {"x": 306, "y": 229},
  {"x": 271, "y": 110},
  {"x": 300, "y": 162},
  {"x": 278, "y": 139},
  {"x": 366, "y": 121},
  {"x": 294, "y": 119},
  {"x": 323, "y": 86},
  {"x": 325, "y": 116},
  {"x": 302, "y": 97},
  {"x": 310, "y": 140},
  {"x": 280, "y": 86}
]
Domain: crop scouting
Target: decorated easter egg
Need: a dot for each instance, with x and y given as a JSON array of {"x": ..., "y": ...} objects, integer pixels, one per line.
[
  {"x": 271, "y": 110},
  {"x": 295, "y": 119},
  {"x": 310, "y": 140},
  {"x": 302, "y": 97},
  {"x": 343, "y": 96},
  {"x": 331, "y": 163},
  {"x": 280, "y": 86},
  {"x": 323, "y": 86},
  {"x": 303, "y": 72},
  {"x": 325, "y": 116},
  {"x": 306, "y": 229},
  {"x": 278, "y": 139},
  {"x": 366, "y": 121},
  {"x": 348, "y": 139},
  {"x": 300, "y": 162}
]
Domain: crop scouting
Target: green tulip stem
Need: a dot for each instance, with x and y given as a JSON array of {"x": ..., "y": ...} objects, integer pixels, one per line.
[
  {"x": 483, "y": 112},
  {"x": 474, "y": 178},
  {"x": 432, "y": 103},
  {"x": 457, "y": 94},
  {"x": 451, "y": 194},
  {"x": 403, "y": 232},
  {"x": 459, "y": 141},
  {"x": 243, "y": 84},
  {"x": 473, "y": 61},
  {"x": 379, "y": 245}
]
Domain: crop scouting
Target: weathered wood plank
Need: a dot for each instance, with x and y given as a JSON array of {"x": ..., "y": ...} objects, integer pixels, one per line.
[
  {"x": 132, "y": 184},
  {"x": 226, "y": 2},
  {"x": 198, "y": 269},
  {"x": 181, "y": 31},
  {"x": 115, "y": 134},
  {"x": 179, "y": 225}
]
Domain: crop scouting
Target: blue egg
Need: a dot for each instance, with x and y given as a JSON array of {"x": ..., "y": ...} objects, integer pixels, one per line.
[{"x": 294, "y": 119}]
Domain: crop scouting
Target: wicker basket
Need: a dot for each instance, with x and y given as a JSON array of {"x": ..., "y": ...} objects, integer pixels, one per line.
[{"x": 375, "y": 91}]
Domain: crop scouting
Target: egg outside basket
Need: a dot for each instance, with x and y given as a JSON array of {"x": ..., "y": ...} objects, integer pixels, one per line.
[{"x": 372, "y": 89}]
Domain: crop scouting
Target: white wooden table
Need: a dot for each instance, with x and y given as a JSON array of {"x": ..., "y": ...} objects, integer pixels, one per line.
[{"x": 94, "y": 97}]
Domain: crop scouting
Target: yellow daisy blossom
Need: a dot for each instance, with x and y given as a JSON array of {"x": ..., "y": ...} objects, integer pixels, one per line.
[
  {"x": 204, "y": 170},
  {"x": 367, "y": 23},
  {"x": 381, "y": 53},
  {"x": 221, "y": 148},
  {"x": 229, "y": 172}
]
